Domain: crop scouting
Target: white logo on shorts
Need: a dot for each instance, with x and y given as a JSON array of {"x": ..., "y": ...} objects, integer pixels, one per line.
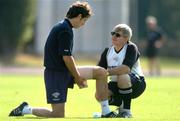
[{"x": 56, "y": 96}]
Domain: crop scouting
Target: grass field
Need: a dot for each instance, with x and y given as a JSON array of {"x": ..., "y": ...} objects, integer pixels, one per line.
[{"x": 160, "y": 102}]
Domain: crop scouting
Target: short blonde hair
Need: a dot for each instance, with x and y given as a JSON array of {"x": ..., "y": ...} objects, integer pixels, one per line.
[
  {"x": 125, "y": 29},
  {"x": 151, "y": 19}
]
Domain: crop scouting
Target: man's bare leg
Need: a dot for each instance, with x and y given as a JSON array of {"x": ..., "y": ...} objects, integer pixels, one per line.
[{"x": 57, "y": 111}]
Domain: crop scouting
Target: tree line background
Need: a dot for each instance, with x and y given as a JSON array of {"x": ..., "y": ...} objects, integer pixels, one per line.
[{"x": 18, "y": 18}]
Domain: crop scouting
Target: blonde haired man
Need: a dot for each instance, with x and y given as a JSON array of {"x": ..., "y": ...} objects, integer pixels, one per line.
[{"x": 123, "y": 65}]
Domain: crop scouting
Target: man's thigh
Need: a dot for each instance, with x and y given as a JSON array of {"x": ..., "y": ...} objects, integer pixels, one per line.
[
  {"x": 56, "y": 84},
  {"x": 87, "y": 71}
]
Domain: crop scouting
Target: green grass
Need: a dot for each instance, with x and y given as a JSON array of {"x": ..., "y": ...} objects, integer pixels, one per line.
[{"x": 160, "y": 102}]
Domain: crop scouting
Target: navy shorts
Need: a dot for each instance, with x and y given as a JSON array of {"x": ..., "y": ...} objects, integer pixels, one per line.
[
  {"x": 138, "y": 87},
  {"x": 57, "y": 84},
  {"x": 152, "y": 52}
]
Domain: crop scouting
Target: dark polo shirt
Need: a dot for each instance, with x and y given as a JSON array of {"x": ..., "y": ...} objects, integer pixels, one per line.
[{"x": 59, "y": 43}]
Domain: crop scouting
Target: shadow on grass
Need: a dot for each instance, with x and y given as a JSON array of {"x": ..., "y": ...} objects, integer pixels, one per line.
[
  {"x": 32, "y": 117},
  {"x": 29, "y": 117}
]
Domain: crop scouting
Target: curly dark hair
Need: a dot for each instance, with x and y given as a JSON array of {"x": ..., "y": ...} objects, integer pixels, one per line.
[{"x": 77, "y": 8}]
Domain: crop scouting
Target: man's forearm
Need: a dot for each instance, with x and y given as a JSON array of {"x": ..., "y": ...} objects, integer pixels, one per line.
[
  {"x": 70, "y": 63},
  {"x": 123, "y": 69}
]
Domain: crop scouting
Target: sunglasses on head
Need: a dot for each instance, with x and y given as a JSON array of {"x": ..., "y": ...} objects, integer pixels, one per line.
[{"x": 116, "y": 34}]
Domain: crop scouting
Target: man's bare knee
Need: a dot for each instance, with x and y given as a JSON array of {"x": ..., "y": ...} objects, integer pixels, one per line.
[
  {"x": 58, "y": 110},
  {"x": 124, "y": 81},
  {"x": 100, "y": 73},
  {"x": 57, "y": 114}
]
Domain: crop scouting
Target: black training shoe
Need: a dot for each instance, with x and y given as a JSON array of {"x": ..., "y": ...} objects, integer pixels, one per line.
[
  {"x": 18, "y": 110},
  {"x": 124, "y": 115},
  {"x": 109, "y": 115}
]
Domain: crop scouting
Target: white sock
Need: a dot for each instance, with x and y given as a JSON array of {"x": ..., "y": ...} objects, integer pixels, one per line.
[
  {"x": 105, "y": 107},
  {"x": 27, "y": 110}
]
